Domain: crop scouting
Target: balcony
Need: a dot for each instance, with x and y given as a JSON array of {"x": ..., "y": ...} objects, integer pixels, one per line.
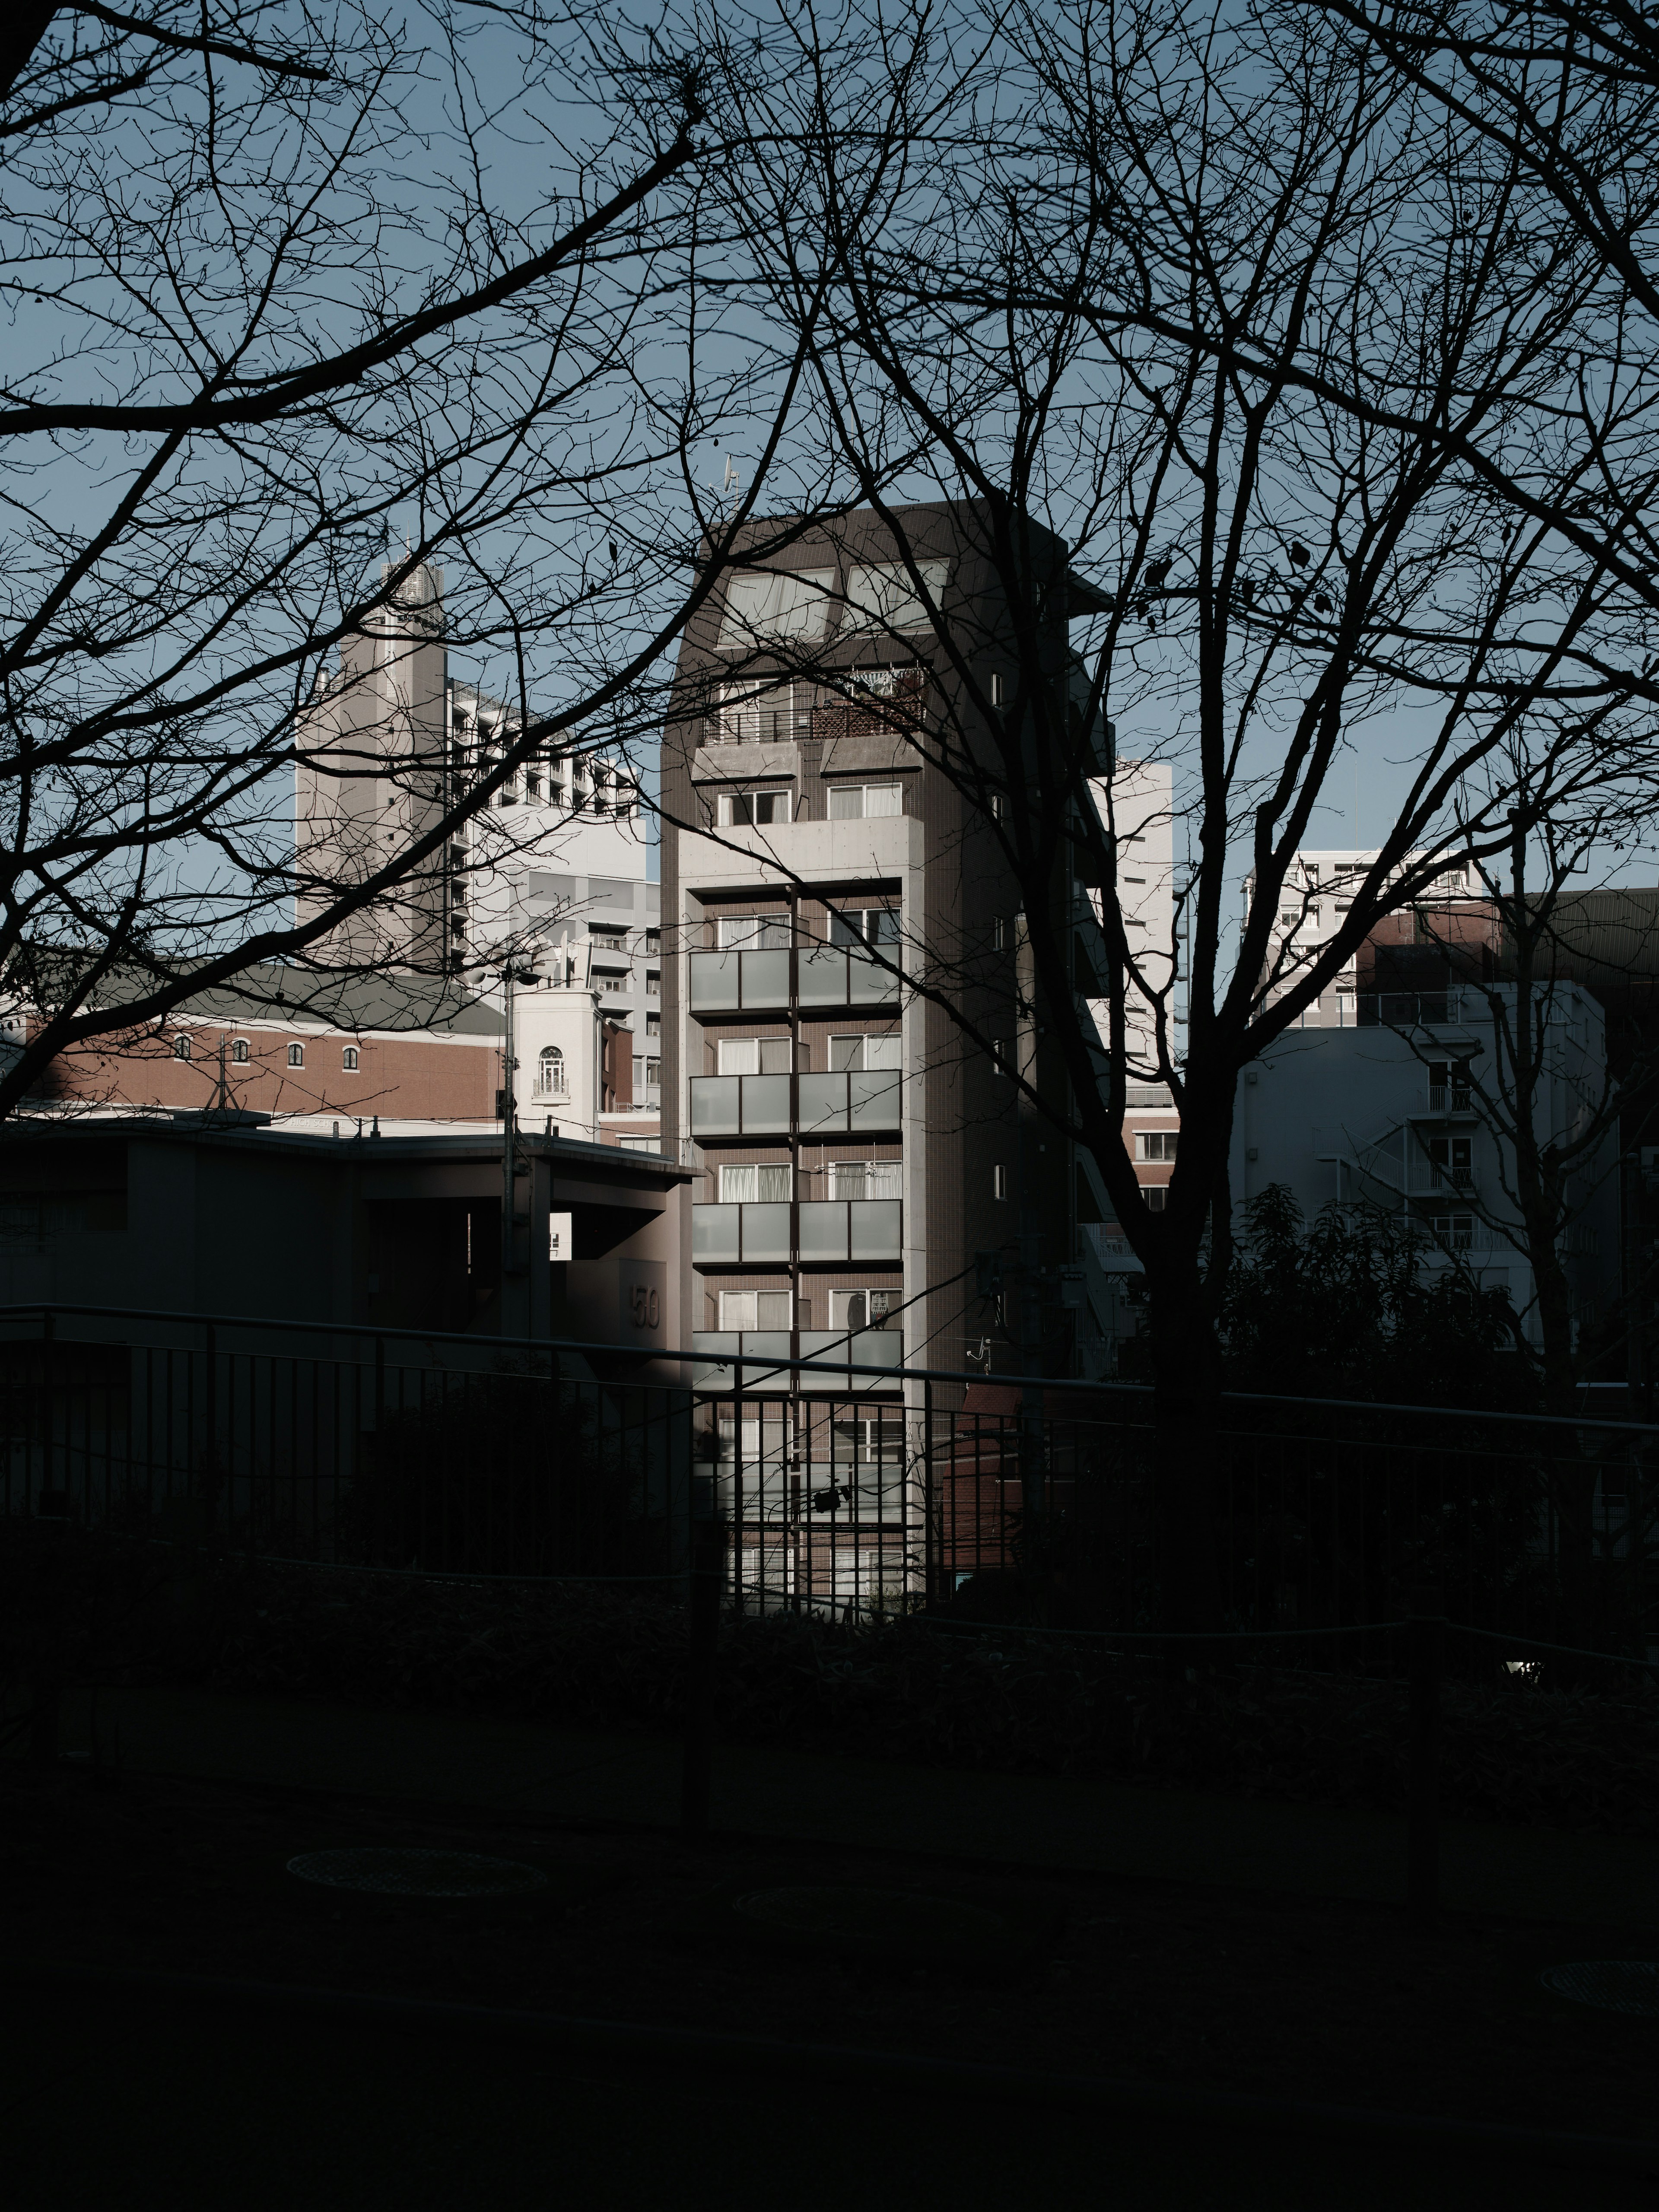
[
  {"x": 716, "y": 1349},
  {"x": 727, "y": 1235},
  {"x": 867, "y": 1230},
  {"x": 740, "y": 1105},
  {"x": 1449, "y": 1099},
  {"x": 856, "y": 1103},
  {"x": 1440, "y": 1179},
  {"x": 850, "y": 1104},
  {"x": 739, "y": 982},
  {"x": 830, "y": 976}
]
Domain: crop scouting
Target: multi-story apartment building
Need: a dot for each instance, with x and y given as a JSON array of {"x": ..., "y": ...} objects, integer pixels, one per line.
[
  {"x": 552, "y": 875},
  {"x": 1313, "y": 906},
  {"x": 1387, "y": 1114},
  {"x": 855, "y": 1153}
]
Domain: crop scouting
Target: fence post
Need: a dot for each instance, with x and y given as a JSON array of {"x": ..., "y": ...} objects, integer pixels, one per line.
[
  {"x": 1426, "y": 1636},
  {"x": 708, "y": 1578}
]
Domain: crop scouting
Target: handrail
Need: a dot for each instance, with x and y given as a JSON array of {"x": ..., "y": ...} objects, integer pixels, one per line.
[{"x": 778, "y": 1361}]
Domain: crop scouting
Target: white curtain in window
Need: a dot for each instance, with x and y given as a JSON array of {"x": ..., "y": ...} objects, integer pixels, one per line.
[
  {"x": 739, "y": 1056},
  {"x": 881, "y": 799},
  {"x": 883, "y": 1051},
  {"x": 762, "y": 604},
  {"x": 882, "y": 597}
]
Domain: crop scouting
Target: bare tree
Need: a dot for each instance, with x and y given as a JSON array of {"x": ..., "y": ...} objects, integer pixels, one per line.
[
  {"x": 1027, "y": 263},
  {"x": 303, "y": 303}
]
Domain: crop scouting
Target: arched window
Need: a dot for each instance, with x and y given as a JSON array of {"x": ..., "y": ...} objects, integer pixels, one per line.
[
  {"x": 349, "y": 1060},
  {"x": 296, "y": 1055},
  {"x": 550, "y": 1072},
  {"x": 239, "y": 1052},
  {"x": 181, "y": 1048}
]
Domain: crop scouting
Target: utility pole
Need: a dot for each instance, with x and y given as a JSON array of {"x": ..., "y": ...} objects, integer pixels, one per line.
[
  {"x": 509, "y": 1145},
  {"x": 1028, "y": 1288},
  {"x": 512, "y": 1169}
]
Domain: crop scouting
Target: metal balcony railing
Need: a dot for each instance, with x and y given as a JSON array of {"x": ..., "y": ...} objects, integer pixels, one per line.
[
  {"x": 829, "y": 1104},
  {"x": 1449, "y": 1098},
  {"x": 1425, "y": 1178},
  {"x": 832, "y": 1352},
  {"x": 864, "y": 1230},
  {"x": 826, "y": 976}
]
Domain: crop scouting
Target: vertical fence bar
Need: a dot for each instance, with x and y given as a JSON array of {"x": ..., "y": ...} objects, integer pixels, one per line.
[
  {"x": 1425, "y": 1632},
  {"x": 703, "y": 1639}
]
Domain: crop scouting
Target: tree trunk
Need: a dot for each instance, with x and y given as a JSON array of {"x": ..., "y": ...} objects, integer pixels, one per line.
[{"x": 1186, "y": 1443}]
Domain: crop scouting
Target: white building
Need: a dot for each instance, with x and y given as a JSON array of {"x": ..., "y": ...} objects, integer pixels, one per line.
[
  {"x": 551, "y": 874},
  {"x": 1313, "y": 906},
  {"x": 1389, "y": 1117}
]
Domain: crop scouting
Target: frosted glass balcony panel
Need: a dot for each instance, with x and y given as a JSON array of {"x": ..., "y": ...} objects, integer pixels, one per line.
[
  {"x": 715, "y": 1233},
  {"x": 821, "y": 973},
  {"x": 765, "y": 980},
  {"x": 714, "y": 984},
  {"x": 870, "y": 984},
  {"x": 823, "y": 1104},
  {"x": 824, "y": 1229},
  {"x": 877, "y": 1348},
  {"x": 875, "y": 1228},
  {"x": 873, "y": 1099},
  {"x": 832, "y": 1343},
  {"x": 765, "y": 1232},
  {"x": 765, "y": 1105},
  {"x": 716, "y": 1105}
]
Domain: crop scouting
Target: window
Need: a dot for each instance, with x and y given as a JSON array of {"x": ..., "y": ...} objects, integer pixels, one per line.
[
  {"x": 752, "y": 932},
  {"x": 641, "y": 1144},
  {"x": 753, "y": 1055},
  {"x": 653, "y": 1025},
  {"x": 240, "y": 1052},
  {"x": 349, "y": 1059},
  {"x": 998, "y": 1183},
  {"x": 1000, "y": 934},
  {"x": 532, "y": 783},
  {"x": 762, "y": 604},
  {"x": 296, "y": 1055},
  {"x": 1456, "y": 1231},
  {"x": 874, "y": 925},
  {"x": 607, "y": 941},
  {"x": 550, "y": 1072},
  {"x": 1002, "y": 1055},
  {"x": 862, "y": 1053},
  {"x": 652, "y": 943},
  {"x": 653, "y": 1073},
  {"x": 654, "y": 985},
  {"x": 1449, "y": 1086},
  {"x": 1452, "y": 1159},
  {"x": 763, "y": 1184},
  {"x": 752, "y": 810},
  {"x": 865, "y": 1178},
  {"x": 860, "y": 802},
  {"x": 999, "y": 689},
  {"x": 1156, "y": 1143},
  {"x": 181, "y": 1048},
  {"x": 883, "y": 596},
  {"x": 754, "y": 1309},
  {"x": 1287, "y": 919},
  {"x": 851, "y": 1309},
  {"x": 1155, "y": 1196},
  {"x": 752, "y": 716}
]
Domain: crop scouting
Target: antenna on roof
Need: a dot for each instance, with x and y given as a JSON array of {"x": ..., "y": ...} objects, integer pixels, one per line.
[{"x": 732, "y": 484}]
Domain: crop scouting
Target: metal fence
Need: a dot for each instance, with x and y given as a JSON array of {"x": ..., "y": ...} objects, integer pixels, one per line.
[{"x": 964, "y": 1496}]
